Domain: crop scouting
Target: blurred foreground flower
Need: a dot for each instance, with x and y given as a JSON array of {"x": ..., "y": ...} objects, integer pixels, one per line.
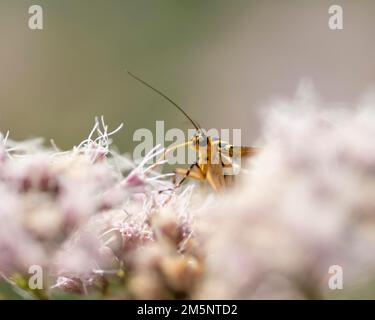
[
  {"x": 103, "y": 227},
  {"x": 308, "y": 203}
]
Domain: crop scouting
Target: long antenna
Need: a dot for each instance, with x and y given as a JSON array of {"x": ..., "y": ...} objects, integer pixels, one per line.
[{"x": 165, "y": 97}]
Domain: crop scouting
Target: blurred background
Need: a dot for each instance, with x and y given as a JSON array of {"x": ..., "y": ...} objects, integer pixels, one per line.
[{"x": 221, "y": 60}]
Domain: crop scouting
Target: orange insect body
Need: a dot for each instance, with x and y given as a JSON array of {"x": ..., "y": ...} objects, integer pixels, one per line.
[
  {"x": 215, "y": 159},
  {"x": 214, "y": 156}
]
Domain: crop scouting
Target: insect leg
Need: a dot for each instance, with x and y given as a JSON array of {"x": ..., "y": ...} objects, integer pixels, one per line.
[{"x": 197, "y": 174}]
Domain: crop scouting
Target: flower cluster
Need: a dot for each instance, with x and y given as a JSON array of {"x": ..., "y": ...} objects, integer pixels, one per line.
[
  {"x": 102, "y": 227},
  {"x": 306, "y": 205},
  {"x": 84, "y": 215}
]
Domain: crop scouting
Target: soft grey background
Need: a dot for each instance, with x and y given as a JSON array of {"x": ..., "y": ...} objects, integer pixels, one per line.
[{"x": 222, "y": 60}]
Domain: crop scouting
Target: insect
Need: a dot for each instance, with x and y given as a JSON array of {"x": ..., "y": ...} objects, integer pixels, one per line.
[{"x": 214, "y": 157}]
